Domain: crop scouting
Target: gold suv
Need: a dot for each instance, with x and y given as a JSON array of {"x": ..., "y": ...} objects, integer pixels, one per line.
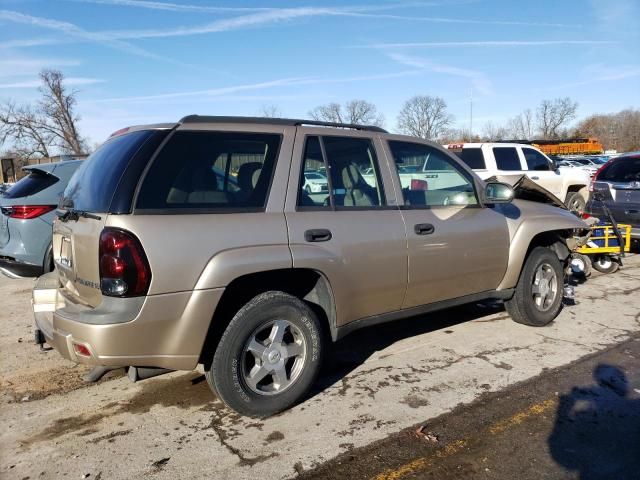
[{"x": 201, "y": 242}]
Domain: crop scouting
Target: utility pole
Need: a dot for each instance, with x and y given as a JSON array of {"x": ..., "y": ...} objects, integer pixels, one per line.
[{"x": 471, "y": 113}]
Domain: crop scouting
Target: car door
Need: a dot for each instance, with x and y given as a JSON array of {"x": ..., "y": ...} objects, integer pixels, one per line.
[
  {"x": 540, "y": 170},
  {"x": 353, "y": 233},
  {"x": 457, "y": 247}
]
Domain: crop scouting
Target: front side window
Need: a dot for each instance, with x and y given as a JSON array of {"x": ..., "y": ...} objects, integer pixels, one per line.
[
  {"x": 535, "y": 160},
  {"x": 507, "y": 158},
  {"x": 353, "y": 180},
  {"x": 441, "y": 182},
  {"x": 211, "y": 170}
]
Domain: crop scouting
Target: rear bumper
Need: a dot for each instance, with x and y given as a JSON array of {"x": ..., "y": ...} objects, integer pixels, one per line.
[
  {"x": 167, "y": 331},
  {"x": 15, "y": 269}
]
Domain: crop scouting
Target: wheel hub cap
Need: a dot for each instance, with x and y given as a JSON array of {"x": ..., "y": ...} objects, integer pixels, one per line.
[
  {"x": 545, "y": 287},
  {"x": 273, "y": 357}
]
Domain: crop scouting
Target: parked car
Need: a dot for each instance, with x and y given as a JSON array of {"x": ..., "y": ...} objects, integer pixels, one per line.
[
  {"x": 489, "y": 159},
  {"x": 158, "y": 266},
  {"x": 617, "y": 185},
  {"x": 27, "y": 216},
  {"x": 315, "y": 182}
]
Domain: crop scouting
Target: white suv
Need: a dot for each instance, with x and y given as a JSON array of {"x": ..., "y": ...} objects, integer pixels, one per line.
[{"x": 488, "y": 159}]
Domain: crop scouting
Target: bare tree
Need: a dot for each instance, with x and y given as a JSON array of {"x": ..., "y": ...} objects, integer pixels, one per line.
[
  {"x": 21, "y": 126},
  {"x": 521, "y": 126},
  {"x": 424, "y": 117},
  {"x": 619, "y": 131},
  {"x": 270, "y": 111},
  {"x": 49, "y": 125},
  {"x": 553, "y": 115},
  {"x": 492, "y": 132},
  {"x": 356, "y": 112}
]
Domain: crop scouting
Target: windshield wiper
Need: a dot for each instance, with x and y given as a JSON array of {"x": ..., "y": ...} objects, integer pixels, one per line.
[{"x": 73, "y": 214}]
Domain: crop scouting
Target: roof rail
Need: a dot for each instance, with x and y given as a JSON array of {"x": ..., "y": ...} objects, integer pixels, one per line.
[{"x": 277, "y": 121}]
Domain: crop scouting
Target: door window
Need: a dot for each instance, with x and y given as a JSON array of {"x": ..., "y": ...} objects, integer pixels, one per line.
[
  {"x": 507, "y": 158},
  {"x": 441, "y": 182},
  {"x": 340, "y": 172},
  {"x": 473, "y": 157},
  {"x": 535, "y": 160}
]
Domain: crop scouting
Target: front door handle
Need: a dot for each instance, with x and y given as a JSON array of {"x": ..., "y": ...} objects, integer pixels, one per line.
[
  {"x": 424, "y": 229},
  {"x": 317, "y": 235}
]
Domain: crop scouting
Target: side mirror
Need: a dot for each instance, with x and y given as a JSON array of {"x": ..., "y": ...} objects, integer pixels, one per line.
[{"x": 496, "y": 192}]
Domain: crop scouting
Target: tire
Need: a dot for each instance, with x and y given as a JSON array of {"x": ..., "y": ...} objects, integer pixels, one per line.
[
  {"x": 538, "y": 309},
  {"x": 582, "y": 264},
  {"x": 605, "y": 264},
  {"x": 575, "y": 202},
  {"x": 48, "y": 265},
  {"x": 269, "y": 355}
]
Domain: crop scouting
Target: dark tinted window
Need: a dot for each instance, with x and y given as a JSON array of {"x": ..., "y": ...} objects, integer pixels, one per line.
[
  {"x": 507, "y": 158},
  {"x": 33, "y": 183},
  {"x": 211, "y": 170},
  {"x": 92, "y": 186},
  {"x": 473, "y": 157},
  {"x": 622, "y": 170},
  {"x": 535, "y": 160},
  {"x": 442, "y": 182}
]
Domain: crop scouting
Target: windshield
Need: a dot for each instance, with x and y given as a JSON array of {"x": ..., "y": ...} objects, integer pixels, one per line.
[{"x": 314, "y": 176}]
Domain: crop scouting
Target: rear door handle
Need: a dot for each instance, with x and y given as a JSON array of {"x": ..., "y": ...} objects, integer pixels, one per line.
[
  {"x": 535, "y": 178},
  {"x": 424, "y": 229},
  {"x": 318, "y": 235}
]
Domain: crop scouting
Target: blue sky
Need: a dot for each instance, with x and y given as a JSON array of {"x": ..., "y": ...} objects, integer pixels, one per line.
[{"x": 143, "y": 61}]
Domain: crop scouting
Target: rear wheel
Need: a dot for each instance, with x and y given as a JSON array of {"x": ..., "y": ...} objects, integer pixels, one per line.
[
  {"x": 268, "y": 356},
  {"x": 537, "y": 299},
  {"x": 575, "y": 202},
  {"x": 605, "y": 264}
]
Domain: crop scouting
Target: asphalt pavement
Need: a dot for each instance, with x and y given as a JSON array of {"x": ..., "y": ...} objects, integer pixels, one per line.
[{"x": 376, "y": 383}]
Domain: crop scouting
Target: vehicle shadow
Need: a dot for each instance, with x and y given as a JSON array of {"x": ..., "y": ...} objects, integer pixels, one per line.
[
  {"x": 352, "y": 351},
  {"x": 597, "y": 428}
]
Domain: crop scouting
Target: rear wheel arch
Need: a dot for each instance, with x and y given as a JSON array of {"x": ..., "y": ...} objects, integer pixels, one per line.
[{"x": 310, "y": 286}]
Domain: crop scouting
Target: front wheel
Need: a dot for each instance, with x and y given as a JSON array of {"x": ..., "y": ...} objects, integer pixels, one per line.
[
  {"x": 537, "y": 299},
  {"x": 268, "y": 356}
]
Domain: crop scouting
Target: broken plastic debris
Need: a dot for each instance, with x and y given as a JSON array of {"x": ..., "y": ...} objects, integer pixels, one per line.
[{"x": 422, "y": 432}]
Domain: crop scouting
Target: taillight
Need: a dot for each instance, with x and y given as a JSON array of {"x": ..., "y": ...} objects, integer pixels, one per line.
[
  {"x": 595, "y": 175},
  {"x": 25, "y": 212},
  {"x": 124, "y": 269}
]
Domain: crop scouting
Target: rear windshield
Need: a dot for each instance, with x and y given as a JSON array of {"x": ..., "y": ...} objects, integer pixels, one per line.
[
  {"x": 33, "y": 183},
  {"x": 623, "y": 170},
  {"x": 92, "y": 186},
  {"x": 472, "y": 157}
]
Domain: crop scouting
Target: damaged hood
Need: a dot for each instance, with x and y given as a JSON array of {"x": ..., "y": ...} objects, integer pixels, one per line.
[{"x": 526, "y": 189}]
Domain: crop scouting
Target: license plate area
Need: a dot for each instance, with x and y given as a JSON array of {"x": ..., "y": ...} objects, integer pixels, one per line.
[{"x": 66, "y": 253}]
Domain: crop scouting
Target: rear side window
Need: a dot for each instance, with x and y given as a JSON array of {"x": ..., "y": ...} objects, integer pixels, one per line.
[
  {"x": 507, "y": 158},
  {"x": 33, "y": 183},
  {"x": 473, "y": 157},
  {"x": 623, "y": 170},
  {"x": 535, "y": 160},
  {"x": 93, "y": 185},
  {"x": 211, "y": 170}
]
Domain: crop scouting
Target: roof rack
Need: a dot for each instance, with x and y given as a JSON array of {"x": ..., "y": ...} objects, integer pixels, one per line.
[{"x": 277, "y": 121}]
